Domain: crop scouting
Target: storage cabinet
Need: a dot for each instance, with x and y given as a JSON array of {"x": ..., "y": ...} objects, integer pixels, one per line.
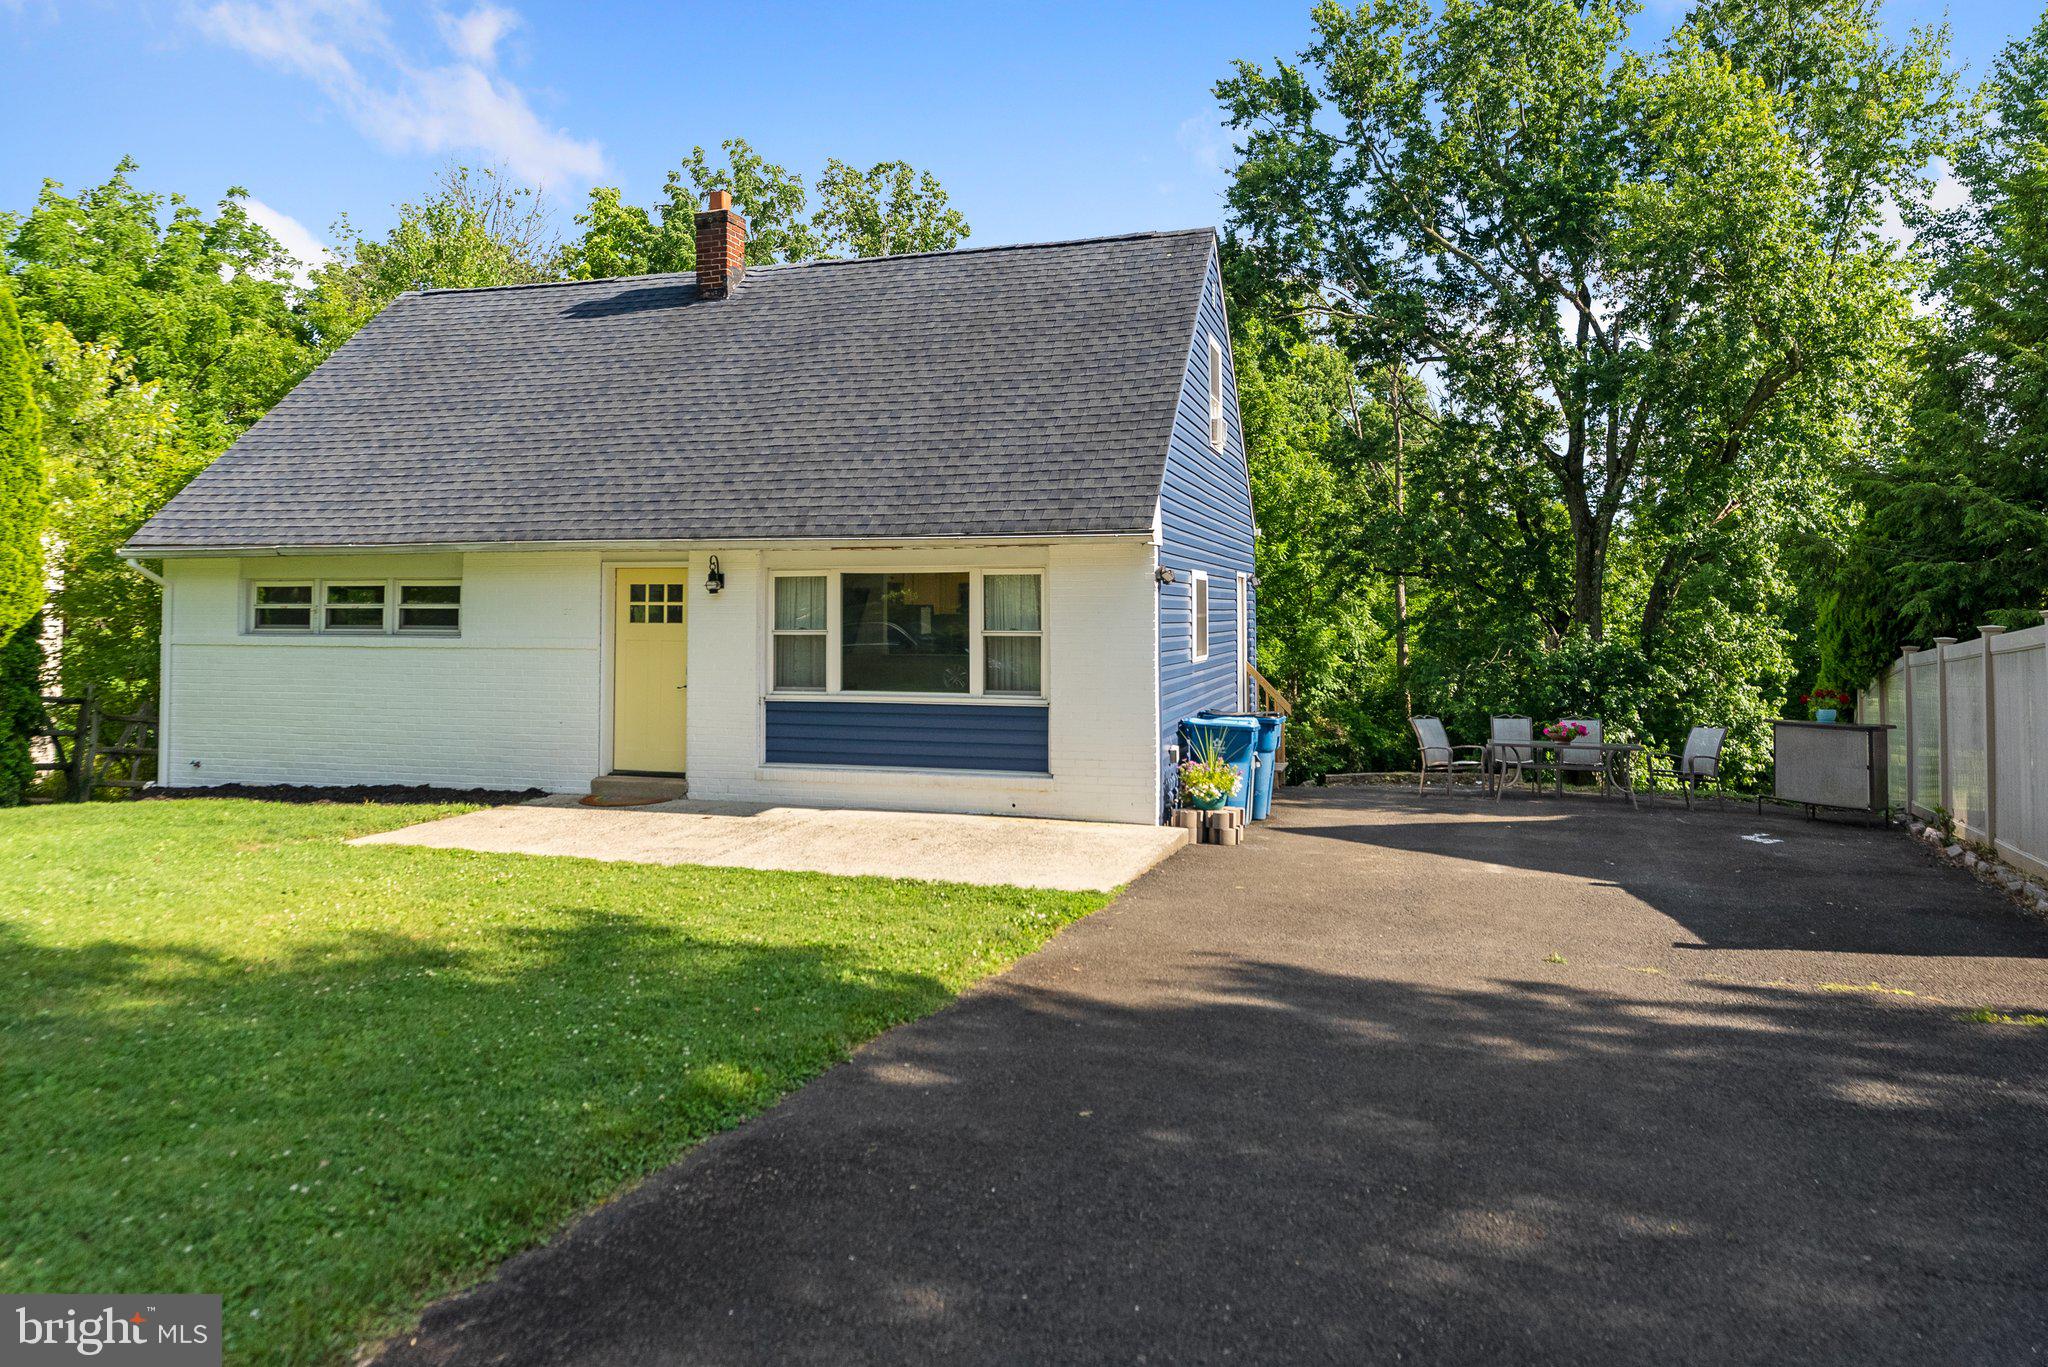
[{"x": 1832, "y": 764}]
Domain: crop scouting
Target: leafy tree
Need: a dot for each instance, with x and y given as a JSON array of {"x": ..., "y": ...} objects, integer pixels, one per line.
[
  {"x": 115, "y": 457},
  {"x": 1954, "y": 529},
  {"x": 22, "y": 495},
  {"x": 1640, "y": 278},
  {"x": 203, "y": 316},
  {"x": 205, "y": 306},
  {"x": 891, "y": 207},
  {"x": 475, "y": 226},
  {"x": 21, "y": 662},
  {"x": 625, "y": 239},
  {"x": 21, "y": 555},
  {"x": 1651, "y": 300}
]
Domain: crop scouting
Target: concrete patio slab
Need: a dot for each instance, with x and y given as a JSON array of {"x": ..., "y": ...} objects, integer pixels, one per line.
[{"x": 1073, "y": 856}]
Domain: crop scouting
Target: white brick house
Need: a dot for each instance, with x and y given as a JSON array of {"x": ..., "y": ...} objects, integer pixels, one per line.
[{"x": 895, "y": 533}]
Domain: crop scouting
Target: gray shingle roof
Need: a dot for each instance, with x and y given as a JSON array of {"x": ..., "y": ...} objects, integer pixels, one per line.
[{"x": 999, "y": 391}]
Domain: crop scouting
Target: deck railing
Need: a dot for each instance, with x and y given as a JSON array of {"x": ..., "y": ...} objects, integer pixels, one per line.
[{"x": 1267, "y": 698}]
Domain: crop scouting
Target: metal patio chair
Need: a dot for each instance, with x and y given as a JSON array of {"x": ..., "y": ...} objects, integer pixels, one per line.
[
  {"x": 1698, "y": 765},
  {"x": 1509, "y": 750},
  {"x": 1439, "y": 756}
]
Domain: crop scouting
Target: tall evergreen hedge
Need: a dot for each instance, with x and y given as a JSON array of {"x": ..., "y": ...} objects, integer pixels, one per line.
[
  {"x": 23, "y": 498},
  {"x": 21, "y": 683}
]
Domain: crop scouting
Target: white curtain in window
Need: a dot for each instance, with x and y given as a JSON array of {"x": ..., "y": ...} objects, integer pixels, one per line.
[
  {"x": 1010, "y": 603},
  {"x": 800, "y": 603}
]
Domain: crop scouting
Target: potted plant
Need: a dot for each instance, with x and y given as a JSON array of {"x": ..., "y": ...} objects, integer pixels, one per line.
[
  {"x": 1827, "y": 703},
  {"x": 1207, "y": 780},
  {"x": 1564, "y": 732}
]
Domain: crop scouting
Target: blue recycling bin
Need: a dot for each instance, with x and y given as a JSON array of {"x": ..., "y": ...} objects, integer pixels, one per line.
[
  {"x": 1266, "y": 770},
  {"x": 1236, "y": 739},
  {"x": 1269, "y": 764}
]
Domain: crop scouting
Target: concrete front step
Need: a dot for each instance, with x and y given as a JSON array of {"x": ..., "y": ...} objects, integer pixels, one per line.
[{"x": 625, "y": 788}]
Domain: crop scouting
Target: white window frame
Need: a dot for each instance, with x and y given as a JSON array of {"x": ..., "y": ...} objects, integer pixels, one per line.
[
  {"x": 1242, "y": 642},
  {"x": 979, "y": 588},
  {"x": 313, "y": 606},
  {"x": 775, "y": 632},
  {"x": 383, "y": 627},
  {"x": 1219, "y": 431},
  {"x": 1199, "y": 613},
  {"x": 397, "y": 600},
  {"x": 977, "y": 664},
  {"x": 392, "y": 586}
]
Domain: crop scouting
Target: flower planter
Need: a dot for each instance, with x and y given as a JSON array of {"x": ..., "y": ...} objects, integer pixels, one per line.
[{"x": 1824, "y": 715}]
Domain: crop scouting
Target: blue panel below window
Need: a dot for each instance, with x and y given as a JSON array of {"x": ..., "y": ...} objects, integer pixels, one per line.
[{"x": 897, "y": 735}]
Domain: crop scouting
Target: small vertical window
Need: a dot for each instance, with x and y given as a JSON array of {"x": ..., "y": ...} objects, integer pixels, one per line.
[
  {"x": 1198, "y": 615},
  {"x": 1216, "y": 430},
  {"x": 283, "y": 607},
  {"x": 353, "y": 607},
  {"x": 430, "y": 608},
  {"x": 1012, "y": 634},
  {"x": 800, "y": 632}
]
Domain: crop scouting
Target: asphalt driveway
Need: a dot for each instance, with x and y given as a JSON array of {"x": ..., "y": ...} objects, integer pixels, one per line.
[{"x": 1399, "y": 1080}]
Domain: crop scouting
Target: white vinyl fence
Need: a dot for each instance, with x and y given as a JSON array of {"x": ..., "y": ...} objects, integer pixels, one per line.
[{"x": 1970, "y": 734}]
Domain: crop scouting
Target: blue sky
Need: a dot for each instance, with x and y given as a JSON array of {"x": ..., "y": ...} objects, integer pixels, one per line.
[{"x": 1042, "y": 121}]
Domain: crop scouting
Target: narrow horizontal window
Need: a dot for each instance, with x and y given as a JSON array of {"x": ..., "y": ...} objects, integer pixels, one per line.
[
  {"x": 354, "y": 607},
  {"x": 430, "y": 608},
  {"x": 284, "y": 607}
]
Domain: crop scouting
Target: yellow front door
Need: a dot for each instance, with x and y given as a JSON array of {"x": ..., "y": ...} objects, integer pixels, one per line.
[{"x": 650, "y": 670}]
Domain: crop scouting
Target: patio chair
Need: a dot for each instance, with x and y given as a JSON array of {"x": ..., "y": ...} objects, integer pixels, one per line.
[
  {"x": 1583, "y": 756},
  {"x": 1508, "y": 751},
  {"x": 1698, "y": 764},
  {"x": 1439, "y": 756}
]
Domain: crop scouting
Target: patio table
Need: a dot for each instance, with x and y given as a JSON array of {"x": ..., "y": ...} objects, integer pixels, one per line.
[{"x": 1609, "y": 750}]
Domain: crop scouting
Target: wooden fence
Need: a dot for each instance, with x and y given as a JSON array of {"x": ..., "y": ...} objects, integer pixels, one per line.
[
  {"x": 1969, "y": 736},
  {"x": 93, "y": 748}
]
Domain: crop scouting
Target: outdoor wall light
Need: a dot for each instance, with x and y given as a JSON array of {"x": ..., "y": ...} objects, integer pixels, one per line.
[
  {"x": 715, "y": 580},
  {"x": 1163, "y": 575}
]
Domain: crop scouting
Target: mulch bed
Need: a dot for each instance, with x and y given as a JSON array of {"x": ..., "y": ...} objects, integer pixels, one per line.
[{"x": 383, "y": 794}]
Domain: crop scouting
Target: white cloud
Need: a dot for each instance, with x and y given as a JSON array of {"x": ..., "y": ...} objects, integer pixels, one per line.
[
  {"x": 295, "y": 237},
  {"x": 402, "y": 100},
  {"x": 476, "y": 35}
]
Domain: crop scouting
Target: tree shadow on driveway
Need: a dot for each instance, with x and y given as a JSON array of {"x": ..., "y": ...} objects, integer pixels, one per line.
[
  {"x": 1806, "y": 885},
  {"x": 1220, "y": 1157}
]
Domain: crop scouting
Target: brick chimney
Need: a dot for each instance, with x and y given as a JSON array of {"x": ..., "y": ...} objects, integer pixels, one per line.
[{"x": 721, "y": 247}]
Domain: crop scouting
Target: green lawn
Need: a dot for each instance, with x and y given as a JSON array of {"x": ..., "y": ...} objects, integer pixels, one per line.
[{"x": 238, "y": 1056}]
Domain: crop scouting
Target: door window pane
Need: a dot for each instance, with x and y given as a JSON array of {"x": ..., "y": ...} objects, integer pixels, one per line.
[
  {"x": 1010, "y": 602},
  {"x": 800, "y": 661},
  {"x": 904, "y": 633},
  {"x": 1011, "y": 664},
  {"x": 800, "y": 603}
]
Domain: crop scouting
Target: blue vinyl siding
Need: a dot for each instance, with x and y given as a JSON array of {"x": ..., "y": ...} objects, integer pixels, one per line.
[
  {"x": 1205, "y": 523},
  {"x": 909, "y": 735}
]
